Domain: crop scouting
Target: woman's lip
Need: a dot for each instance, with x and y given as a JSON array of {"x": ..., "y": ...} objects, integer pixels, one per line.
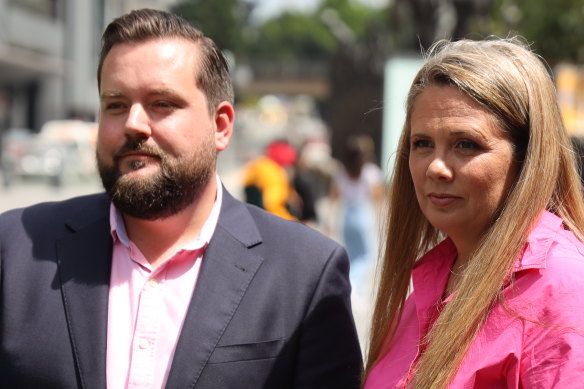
[{"x": 442, "y": 199}]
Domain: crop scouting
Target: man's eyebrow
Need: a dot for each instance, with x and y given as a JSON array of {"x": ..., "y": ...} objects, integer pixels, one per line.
[
  {"x": 106, "y": 95},
  {"x": 153, "y": 92},
  {"x": 163, "y": 91}
]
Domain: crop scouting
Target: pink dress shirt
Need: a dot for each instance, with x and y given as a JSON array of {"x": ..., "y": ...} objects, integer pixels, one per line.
[
  {"x": 147, "y": 306},
  {"x": 546, "y": 351}
]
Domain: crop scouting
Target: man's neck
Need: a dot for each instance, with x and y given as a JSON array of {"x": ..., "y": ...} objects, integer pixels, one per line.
[{"x": 161, "y": 238}]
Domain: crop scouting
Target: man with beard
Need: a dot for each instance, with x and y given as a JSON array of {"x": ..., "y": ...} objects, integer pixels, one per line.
[{"x": 168, "y": 281}]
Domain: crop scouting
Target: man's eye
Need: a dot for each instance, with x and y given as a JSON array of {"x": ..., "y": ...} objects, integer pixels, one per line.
[
  {"x": 164, "y": 104},
  {"x": 114, "y": 106}
]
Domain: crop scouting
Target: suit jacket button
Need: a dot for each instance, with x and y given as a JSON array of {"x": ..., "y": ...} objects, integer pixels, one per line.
[{"x": 143, "y": 344}]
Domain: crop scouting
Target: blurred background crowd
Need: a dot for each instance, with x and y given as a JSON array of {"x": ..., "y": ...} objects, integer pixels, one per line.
[{"x": 319, "y": 94}]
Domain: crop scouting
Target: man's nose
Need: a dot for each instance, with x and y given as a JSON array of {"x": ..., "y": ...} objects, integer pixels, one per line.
[{"x": 138, "y": 122}]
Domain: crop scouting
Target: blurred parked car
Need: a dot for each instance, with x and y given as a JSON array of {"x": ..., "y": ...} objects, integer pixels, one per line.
[
  {"x": 17, "y": 143},
  {"x": 62, "y": 148}
]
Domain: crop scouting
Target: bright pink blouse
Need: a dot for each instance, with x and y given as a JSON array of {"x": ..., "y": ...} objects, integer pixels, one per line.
[{"x": 508, "y": 352}]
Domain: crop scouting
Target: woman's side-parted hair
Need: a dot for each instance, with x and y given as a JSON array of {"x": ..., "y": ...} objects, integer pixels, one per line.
[
  {"x": 511, "y": 82},
  {"x": 148, "y": 24}
]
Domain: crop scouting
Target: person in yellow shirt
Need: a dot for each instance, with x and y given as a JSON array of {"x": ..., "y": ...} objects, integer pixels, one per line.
[{"x": 267, "y": 183}]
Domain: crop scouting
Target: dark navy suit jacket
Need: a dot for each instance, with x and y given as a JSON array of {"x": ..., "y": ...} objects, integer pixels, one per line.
[{"x": 271, "y": 308}]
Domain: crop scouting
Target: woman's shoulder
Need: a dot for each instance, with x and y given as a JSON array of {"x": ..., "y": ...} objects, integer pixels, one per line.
[
  {"x": 561, "y": 255},
  {"x": 551, "y": 278},
  {"x": 564, "y": 258},
  {"x": 552, "y": 247},
  {"x": 566, "y": 254}
]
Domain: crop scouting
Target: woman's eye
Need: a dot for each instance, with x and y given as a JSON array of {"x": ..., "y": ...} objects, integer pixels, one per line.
[
  {"x": 421, "y": 143},
  {"x": 466, "y": 144}
]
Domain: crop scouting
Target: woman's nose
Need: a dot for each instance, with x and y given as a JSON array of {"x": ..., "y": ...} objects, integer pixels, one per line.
[
  {"x": 439, "y": 170},
  {"x": 137, "y": 122}
]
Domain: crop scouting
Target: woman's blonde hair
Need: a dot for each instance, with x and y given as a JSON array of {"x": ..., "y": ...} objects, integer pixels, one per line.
[{"x": 506, "y": 78}]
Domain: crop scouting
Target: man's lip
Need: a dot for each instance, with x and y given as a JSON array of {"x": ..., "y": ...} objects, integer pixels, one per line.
[{"x": 135, "y": 154}]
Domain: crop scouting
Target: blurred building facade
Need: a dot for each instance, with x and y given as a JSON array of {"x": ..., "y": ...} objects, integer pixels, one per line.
[{"x": 48, "y": 55}]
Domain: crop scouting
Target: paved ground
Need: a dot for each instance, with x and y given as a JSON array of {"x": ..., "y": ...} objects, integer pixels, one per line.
[{"x": 26, "y": 193}]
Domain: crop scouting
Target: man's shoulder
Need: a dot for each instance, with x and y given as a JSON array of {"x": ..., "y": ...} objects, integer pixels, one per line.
[
  {"x": 273, "y": 223},
  {"x": 88, "y": 206},
  {"x": 289, "y": 236}
]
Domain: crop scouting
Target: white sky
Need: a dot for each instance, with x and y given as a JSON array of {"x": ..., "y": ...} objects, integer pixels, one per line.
[{"x": 268, "y": 8}]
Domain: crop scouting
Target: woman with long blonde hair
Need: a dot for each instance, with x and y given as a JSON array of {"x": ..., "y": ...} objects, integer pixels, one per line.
[{"x": 486, "y": 223}]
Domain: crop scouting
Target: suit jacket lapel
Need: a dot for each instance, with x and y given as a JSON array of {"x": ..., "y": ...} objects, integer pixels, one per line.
[
  {"x": 226, "y": 272},
  {"x": 84, "y": 260}
]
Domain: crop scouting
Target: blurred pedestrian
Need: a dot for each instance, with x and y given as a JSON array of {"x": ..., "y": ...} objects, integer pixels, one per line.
[
  {"x": 267, "y": 183},
  {"x": 356, "y": 194},
  {"x": 486, "y": 222},
  {"x": 305, "y": 186}
]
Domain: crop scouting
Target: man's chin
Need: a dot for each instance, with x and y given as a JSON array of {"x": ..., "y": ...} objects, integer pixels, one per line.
[
  {"x": 151, "y": 196},
  {"x": 155, "y": 189}
]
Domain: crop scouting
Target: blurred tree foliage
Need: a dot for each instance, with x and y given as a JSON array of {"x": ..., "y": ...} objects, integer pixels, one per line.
[
  {"x": 314, "y": 35},
  {"x": 355, "y": 15},
  {"x": 225, "y": 21},
  {"x": 555, "y": 28},
  {"x": 355, "y": 40},
  {"x": 290, "y": 35},
  {"x": 416, "y": 24}
]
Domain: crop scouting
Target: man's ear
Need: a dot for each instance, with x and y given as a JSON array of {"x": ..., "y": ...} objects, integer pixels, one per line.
[{"x": 224, "y": 115}]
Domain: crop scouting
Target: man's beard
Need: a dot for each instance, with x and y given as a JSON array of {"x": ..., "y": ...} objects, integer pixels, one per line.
[{"x": 178, "y": 183}]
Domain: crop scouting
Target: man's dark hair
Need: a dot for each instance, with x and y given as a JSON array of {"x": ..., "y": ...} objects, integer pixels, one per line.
[{"x": 146, "y": 24}]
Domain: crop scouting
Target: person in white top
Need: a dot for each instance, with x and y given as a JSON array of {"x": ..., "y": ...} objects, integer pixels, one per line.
[{"x": 357, "y": 189}]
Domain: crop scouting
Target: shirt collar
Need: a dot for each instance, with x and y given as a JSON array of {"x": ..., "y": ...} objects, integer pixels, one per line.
[
  {"x": 119, "y": 234},
  {"x": 431, "y": 271},
  {"x": 430, "y": 276},
  {"x": 540, "y": 240},
  {"x": 432, "y": 265}
]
